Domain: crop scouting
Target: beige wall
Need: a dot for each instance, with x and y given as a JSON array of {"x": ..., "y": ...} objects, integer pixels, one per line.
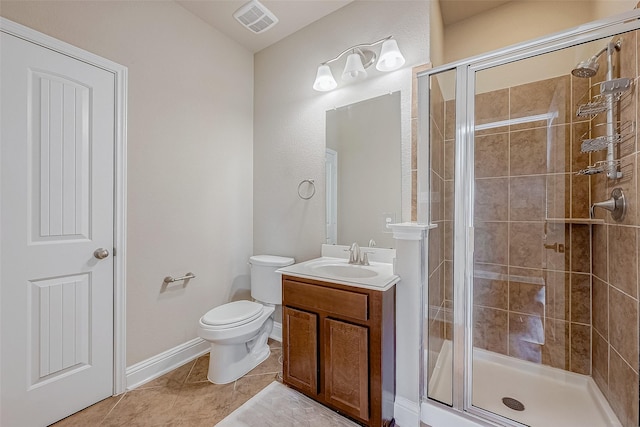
[
  {"x": 519, "y": 21},
  {"x": 436, "y": 31},
  {"x": 289, "y": 125},
  {"x": 189, "y": 155}
]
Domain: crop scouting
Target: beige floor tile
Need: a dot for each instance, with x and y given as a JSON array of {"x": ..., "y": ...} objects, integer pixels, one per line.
[
  {"x": 273, "y": 364},
  {"x": 200, "y": 370},
  {"x": 143, "y": 407},
  {"x": 173, "y": 379},
  {"x": 92, "y": 415},
  {"x": 247, "y": 387},
  {"x": 202, "y": 400}
]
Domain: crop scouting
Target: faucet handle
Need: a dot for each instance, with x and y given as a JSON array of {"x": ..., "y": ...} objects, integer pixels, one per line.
[
  {"x": 365, "y": 257},
  {"x": 354, "y": 253}
]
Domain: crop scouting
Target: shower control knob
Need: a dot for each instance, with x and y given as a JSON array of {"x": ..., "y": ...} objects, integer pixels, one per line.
[{"x": 101, "y": 253}]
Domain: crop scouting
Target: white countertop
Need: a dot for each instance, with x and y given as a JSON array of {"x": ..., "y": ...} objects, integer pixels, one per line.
[{"x": 377, "y": 276}]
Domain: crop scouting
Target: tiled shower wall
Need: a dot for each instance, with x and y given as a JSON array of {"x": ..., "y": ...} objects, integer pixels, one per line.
[
  {"x": 532, "y": 239},
  {"x": 615, "y": 259}
]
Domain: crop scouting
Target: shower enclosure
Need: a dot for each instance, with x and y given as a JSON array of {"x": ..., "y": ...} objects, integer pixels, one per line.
[{"x": 531, "y": 304}]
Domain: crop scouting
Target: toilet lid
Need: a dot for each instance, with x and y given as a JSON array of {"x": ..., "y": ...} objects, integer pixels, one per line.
[{"x": 233, "y": 312}]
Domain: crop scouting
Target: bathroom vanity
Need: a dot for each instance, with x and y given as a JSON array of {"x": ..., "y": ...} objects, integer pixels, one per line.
[{"x": 339, "y": 342}]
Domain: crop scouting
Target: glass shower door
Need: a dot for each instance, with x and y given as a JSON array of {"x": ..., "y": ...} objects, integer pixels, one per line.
[
  {"x": 531, "y": 282},
  {"x": 438, "y": 313}
]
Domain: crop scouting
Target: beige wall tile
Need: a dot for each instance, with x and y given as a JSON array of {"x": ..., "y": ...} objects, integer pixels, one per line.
[
  {"x": 436, "y": 145},
  {"x": 491, "y": 199},
  {"x": 527, "y": 198},
  {"x": 600, "y": 362},
  {"x": 492, "y": 107},
  {"x": 526, "y": 337},
  {"x": 450, "y": 119},
  {"x": 449, "y": 158},
  {"x": 491, "y": 242},
  {"x": 558, "y": 295},
  {"x": 527, "y": 298},
  {"x": 525, "y": 244},
  {"x": 581, "y": 298},
  {"x": 580, "y": 197},
  {"x": 540, "y": 97},
  {"x": 623, "y": 390},
  {"x": 579, "y": 160},
  {"x": 623, "y": 267},
  {"x": 600, "y": 307},
  {"x": 555, "y": 351},
  {"x": 492, "y": 155},
  {"x": 532, "y": 152},
  {"x": 490, "y": 329},
  {"x": 600, "y": 261},
  {"x": 558, "y": 195},
  {"x": 580, "y": 248},
  {"x": 581, "y": 348},
  {"x": 623, "y": 325}
]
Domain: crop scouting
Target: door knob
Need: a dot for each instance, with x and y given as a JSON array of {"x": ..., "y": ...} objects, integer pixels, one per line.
[{"x": 101, "y": 253}]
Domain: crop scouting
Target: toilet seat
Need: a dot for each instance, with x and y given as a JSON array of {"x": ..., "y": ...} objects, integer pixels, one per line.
[{"x": 232, "y": 314}]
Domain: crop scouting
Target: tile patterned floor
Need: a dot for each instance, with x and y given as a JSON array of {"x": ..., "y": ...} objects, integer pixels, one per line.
[
  {"x": 182, "y": 398},
  {"x": 279, "y": 406}
]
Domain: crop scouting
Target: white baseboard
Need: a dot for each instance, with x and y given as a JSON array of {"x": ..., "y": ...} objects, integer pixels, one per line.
[
  {"x": 406, "y": 412},
  {"x": 164, "y": 362},
  {"x": 276, "y": 333}
]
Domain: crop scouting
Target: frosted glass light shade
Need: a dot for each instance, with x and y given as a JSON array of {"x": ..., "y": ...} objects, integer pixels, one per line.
[
  {"x": 390, "y": 56},
  {"x": 353, "y": 69},
  {"x": 324, "y": 79}
]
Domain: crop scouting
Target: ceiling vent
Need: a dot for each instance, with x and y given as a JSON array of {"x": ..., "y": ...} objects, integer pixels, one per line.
[{"x": 255, "y": 17}]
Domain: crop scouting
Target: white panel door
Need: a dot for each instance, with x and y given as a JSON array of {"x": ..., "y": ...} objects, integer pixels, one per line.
[{"x": 56, "y": 188}]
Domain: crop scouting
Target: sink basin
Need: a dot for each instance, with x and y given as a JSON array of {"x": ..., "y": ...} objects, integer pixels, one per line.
[
  {"x": 378, "y": 275},
  {"x": 345, "y": 270}
]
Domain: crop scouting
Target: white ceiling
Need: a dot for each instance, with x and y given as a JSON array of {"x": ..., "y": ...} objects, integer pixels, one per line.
[
  {"x": 296, "y": 14},
  {"x": 292, "y": 15}
]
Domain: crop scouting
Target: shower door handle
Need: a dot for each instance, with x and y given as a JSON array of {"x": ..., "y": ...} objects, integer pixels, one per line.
[{"x": 557, "y": 247}]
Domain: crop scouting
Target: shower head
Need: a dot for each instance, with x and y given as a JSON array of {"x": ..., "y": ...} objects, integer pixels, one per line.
[{"x": 587, "y": 68}]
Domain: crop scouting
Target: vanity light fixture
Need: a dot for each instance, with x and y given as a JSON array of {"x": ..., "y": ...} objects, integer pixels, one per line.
[{"x": 360, "y": 58}]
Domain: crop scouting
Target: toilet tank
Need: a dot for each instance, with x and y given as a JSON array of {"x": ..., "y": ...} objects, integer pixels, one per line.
[{"x": 266, "y": 284}]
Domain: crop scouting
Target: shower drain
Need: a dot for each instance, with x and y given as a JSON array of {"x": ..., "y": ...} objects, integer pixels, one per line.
[{"x": 512, "y": 403}]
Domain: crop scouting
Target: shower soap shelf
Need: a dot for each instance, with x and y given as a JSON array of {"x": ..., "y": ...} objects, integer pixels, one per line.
[
  {"x": 611, "y": 91},
  {"x": 598, "y": 143},
  {"x": 598, "y": 167}
]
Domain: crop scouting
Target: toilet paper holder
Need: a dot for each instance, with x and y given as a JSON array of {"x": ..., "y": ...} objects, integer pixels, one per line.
[{"x": 187, "y": 276}]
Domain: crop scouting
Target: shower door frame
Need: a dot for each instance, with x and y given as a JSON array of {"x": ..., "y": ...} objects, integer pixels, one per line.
[{"x": 464, "y": 193}]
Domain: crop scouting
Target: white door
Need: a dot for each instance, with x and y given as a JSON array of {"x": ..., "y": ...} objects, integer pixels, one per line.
[{"x": 56, "y": 209}]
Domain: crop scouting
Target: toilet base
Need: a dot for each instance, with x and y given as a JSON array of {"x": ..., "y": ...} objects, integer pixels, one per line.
[{"x": 229, "y": 362}]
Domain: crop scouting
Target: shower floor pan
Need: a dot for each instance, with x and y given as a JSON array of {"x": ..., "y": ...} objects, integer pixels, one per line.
[{"x": 551, "y": 397}]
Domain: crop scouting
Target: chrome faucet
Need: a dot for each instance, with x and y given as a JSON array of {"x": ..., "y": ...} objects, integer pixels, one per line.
[
  {"x": 354, "y": 253},
  {"x": 357, "y": 256}
]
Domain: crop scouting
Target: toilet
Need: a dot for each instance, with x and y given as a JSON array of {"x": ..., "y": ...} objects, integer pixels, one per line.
[{"x": 238, "y": 331}]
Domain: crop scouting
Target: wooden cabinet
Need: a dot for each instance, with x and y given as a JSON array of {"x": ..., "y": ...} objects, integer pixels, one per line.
[{"x": 339, "y": 347}]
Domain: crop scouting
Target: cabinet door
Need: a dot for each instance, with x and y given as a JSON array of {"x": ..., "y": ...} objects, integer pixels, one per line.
[
  {"x": 346, "y": 374},
  {"x": 300, "y": 361}
]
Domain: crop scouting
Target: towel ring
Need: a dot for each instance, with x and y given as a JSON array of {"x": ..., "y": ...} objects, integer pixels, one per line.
[{"x": 313, "y": 189}]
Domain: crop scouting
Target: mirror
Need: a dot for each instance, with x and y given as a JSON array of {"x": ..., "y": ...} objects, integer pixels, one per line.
[{"x": 363, "y": 171}]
